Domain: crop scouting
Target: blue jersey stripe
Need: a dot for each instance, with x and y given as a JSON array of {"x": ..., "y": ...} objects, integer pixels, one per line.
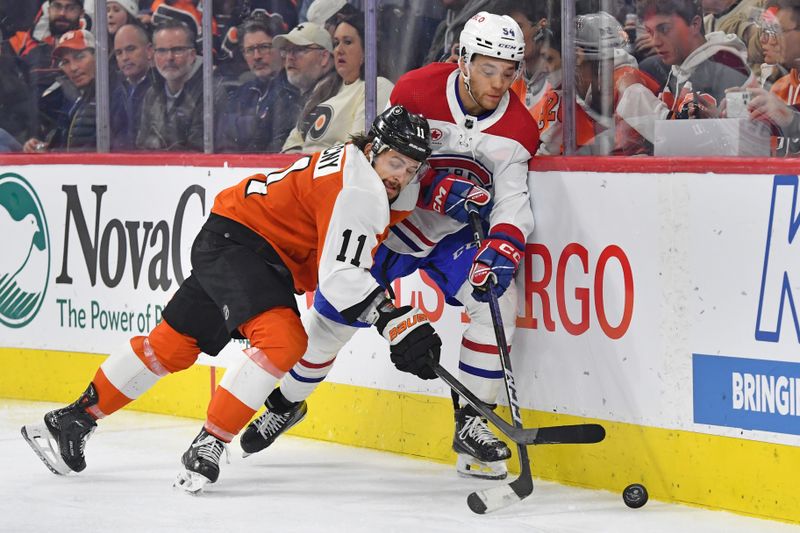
[
  {"x": 304, "y": 379},
  {"x": 480, "y": 372},
  {"x": 405, "y": 238}
]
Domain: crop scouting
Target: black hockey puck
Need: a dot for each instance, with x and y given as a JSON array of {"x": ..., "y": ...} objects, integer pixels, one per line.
[{"x": 634, "y": 495}]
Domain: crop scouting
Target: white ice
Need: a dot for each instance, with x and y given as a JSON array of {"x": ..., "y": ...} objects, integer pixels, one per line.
[{"x": 297, "y": 485}]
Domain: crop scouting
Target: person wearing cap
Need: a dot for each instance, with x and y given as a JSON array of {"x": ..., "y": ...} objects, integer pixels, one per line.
[
  {"x": 327, "y": 13},
  {"x": 75, "y": 55},
  {"x": 702, "y": 67},
  {"x": 260, "y": 114},
  {"x": 307, "y": 57},
  {"x": 120, "y": 13},
  {"x": 133, "y": 53},
  {"x": 599, "y": 41},
  {"x": 172, "y": 112},
  {"x": 335, "y": 109}
]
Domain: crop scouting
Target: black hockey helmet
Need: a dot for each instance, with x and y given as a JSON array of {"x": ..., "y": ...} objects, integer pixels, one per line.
[{"x": 402, "y": 131}]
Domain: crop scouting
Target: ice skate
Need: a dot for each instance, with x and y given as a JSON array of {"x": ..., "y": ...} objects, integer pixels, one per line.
[
  {"x": 480, "y": 453},
  {"x": 263, "y": 431},
  {"x": 60, "y": 440},
  {"x": 201, "y": 461}
]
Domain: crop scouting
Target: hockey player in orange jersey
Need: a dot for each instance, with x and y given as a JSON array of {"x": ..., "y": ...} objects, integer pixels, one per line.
[{"x": 317, "y": 222}]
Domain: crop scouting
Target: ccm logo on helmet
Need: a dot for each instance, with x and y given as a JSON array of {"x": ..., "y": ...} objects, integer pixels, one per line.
[{"x": 406, "y": 324}]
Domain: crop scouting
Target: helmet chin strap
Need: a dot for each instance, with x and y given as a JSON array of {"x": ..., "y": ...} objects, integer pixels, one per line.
[{"x": 466, "y": 84}]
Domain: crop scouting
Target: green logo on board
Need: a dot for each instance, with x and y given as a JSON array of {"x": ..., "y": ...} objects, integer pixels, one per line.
[{"x": 24, "y": 252}]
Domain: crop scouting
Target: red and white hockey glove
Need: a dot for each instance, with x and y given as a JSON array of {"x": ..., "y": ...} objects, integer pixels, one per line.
[
  {"x": 414, "y": 344},
  {"x": 497, "y": 260},
  {"x": 449, "y": 195}
]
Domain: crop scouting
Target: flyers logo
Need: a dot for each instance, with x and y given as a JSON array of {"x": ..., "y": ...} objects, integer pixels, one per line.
[{"x": 321, "y": 116}]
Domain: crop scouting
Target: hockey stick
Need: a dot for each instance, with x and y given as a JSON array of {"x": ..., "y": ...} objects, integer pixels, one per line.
[
  {"x": 568, "y": 434},
  {"x": 492, "y": 499}
]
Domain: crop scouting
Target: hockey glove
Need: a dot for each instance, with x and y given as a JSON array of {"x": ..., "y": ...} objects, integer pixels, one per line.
[
  {"x": 497, "y": 260},
  {"x": 413, "y": 342},
  {"x": 449, "y": 195}
]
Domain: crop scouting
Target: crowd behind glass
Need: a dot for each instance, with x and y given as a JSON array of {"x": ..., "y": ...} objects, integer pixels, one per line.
[{"x": 289, "y": 75}]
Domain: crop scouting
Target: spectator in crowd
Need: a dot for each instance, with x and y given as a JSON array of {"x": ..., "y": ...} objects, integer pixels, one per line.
[
  {"x": 780, "y": 107},
  {"x": 76, "y": 131},
  {"x": 328, "y": 13},
  {"x": 120, "y": 13},
  {"x": 458, "y": 12},
  {"x": 172, "y": 112},
  {"x": 37, "y": 51},
  {"x": 551, "y": 55},
  {"x": 772, "y": 44},
  {"x": 599, "y": 44},
  {"x": 134, "y": 55},
  {"x": 702, "y": 67},
  {"x": 307, "y": 52},
  {"x": 262, "y": 112},
  {"x": 736, "y": 17},
  {"x": 17, "y": 105},
  {"x": 788, "y": 19},
  {"x": 335, "y": 110},
  {"x": 532, "y": 19}
]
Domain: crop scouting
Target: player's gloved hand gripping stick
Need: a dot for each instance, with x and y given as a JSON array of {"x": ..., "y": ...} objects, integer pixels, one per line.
[{"x": 494, "y": 498}]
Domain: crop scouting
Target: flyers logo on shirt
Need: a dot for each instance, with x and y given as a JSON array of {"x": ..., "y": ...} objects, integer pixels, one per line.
[{"x": 322, "y": 118}]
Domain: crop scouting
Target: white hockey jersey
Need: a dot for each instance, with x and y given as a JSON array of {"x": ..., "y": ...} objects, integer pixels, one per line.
[
  {"x": 493, "y": 150},
  {"x": 325, "y": 216}
]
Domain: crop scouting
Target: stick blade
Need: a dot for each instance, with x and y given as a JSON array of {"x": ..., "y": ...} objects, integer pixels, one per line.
[
  {"x": 573, "y": 434},
  {"x": 494, "y": 498}
]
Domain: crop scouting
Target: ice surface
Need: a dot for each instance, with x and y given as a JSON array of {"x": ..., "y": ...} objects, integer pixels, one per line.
[{"x": 297, "y": 485}]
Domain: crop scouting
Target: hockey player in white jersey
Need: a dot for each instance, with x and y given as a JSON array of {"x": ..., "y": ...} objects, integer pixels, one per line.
[{"x": 482, "y": 140}]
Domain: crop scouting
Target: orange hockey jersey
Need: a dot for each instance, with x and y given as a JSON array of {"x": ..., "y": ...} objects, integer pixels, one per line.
[
  {"x": 787, "y": 88},
  {"x": 324, "y": 215}
]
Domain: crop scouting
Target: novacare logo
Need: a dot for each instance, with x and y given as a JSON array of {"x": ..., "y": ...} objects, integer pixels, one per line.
[{"x": 25, "y": 258}]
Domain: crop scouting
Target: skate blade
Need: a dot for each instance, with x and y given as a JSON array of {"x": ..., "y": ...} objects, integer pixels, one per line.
[
  {"x": 45, "y": 447},
  {"x": 190, "y": 482},
  {"x": 469, "y": 467}
]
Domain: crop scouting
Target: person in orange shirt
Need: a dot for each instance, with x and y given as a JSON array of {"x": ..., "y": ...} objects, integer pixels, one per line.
[
  {"x": 599, "y": 38},
  {"x": 315, "y": 223},
  {"x": 780, "y": 106}
]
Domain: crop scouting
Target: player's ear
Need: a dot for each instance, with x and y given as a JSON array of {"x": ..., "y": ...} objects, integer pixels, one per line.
[
  {"x": 461, "y": 65},
  {"x": 367, "y": 149}
]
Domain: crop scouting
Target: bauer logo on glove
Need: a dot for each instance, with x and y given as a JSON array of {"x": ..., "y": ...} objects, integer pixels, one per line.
[
  {"x": 413, "y": 343},
  {"x": 406, "y": 325}
]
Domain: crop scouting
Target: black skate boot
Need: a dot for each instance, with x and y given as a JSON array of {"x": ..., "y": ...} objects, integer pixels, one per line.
[
  {"x": 480, "y": 453},
  {"x": 201, "y": 461},
  {"x": 60, "y": 441},
  {"x": 281, "y": 414}
]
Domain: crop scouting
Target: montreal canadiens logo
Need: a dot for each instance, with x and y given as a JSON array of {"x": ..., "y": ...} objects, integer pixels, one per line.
[
  {"x": 436, "y": 134},
  {"x": 463, "y": 167}
]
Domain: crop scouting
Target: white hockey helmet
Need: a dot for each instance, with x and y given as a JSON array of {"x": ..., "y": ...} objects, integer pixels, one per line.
[
  {"x": 598, "y": 35},
  {"x": 492, "y": 35}
]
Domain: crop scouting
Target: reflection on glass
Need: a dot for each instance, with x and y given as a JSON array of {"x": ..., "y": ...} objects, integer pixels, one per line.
[{"x": 660, "y": 77}]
